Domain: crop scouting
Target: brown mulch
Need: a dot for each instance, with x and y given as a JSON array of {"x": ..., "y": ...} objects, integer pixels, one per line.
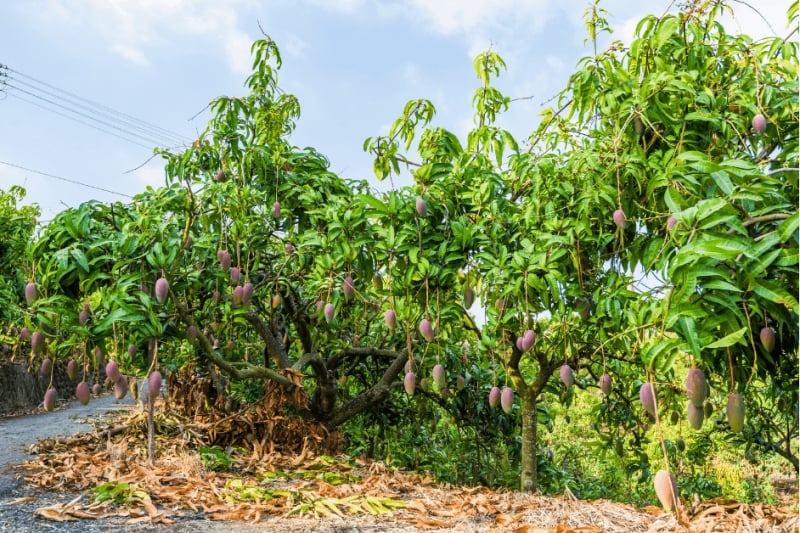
[{"x": 275, "y": 466}]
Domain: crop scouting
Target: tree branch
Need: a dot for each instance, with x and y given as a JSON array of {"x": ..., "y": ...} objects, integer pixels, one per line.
[
  {"x": 236, "y": 372},
  {"x": 375, "y": 394},
  {"x": 274, "y": 347}
]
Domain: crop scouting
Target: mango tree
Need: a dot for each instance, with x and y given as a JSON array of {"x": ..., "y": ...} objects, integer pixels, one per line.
[
  {"x": 652, "y": 217},
  {"x": 648, "y": 223}
]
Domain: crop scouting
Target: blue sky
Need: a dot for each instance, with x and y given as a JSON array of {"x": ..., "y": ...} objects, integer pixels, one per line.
[{"x": 353, "y": 64}]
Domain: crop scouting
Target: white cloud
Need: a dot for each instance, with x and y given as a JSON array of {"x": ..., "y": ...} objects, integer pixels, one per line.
[
  {"x": 134, "y": 55},
  {"x": 151, "y": 174},
  {"x": 466, "y": 16},
  {"x": 137, "y": 29},
  {"x": 345, "y": 6},
  {"x": 294, "y": 45}
]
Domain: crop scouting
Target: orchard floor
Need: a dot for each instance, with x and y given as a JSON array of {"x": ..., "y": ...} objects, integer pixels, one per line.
[{"x": 282, "y": 493}]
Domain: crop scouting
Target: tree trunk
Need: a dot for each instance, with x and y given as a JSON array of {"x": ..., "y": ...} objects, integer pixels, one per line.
[{"x": 528, "y": 479}]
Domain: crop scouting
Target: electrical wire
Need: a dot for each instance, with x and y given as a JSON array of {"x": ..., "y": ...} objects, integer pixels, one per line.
[
  {"x": 166, "y": 138},
  {"x": 85, "y": 115},
  {"x": 75, "y": 182},
  {"x": 88, "y": 124},
  {"x": 74, "y": 106},
  {"x": 125, "y": 116}
]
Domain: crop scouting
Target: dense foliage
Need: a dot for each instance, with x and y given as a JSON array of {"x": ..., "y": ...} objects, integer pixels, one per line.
[
  {"x": 648, "y": 226},
  {"x": 17, "y": 225}
]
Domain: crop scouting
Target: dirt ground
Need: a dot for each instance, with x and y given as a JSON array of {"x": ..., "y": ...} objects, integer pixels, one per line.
[{"x": 86, "y": 446}]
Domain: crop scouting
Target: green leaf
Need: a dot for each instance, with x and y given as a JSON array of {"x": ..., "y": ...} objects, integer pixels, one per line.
[
  {"x": 80, "y": 258},
  {"x": 729, "y": 340},
  {"x": 773, "y": 292},
  {"x": 686, "y": 325}
]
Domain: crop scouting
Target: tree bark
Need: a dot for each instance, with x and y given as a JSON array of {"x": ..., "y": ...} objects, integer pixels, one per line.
[{"x": 529, "y": 476}]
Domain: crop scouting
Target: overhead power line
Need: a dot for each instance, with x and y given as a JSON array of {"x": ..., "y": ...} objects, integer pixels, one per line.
[
  {"x": 86, "y": 112},
  {"x": 76, "y": 182}
]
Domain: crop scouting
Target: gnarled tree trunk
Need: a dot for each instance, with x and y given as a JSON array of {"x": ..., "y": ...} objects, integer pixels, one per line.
[{"x": 529, "y": 476}]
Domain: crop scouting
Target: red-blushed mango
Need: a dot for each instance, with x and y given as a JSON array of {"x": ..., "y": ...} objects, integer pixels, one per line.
[
  {"x": 422, "y": 207},
  {"x": 320, "y": 305},
  {"x": 409, "y": 383},
  {"x": 224, "y": 257},
  {"x": 72, "y": 370},
  {"x": 528, "y": 339},
  {"x": 37, "y": 343},
  {"x": 98, "y": 356},
  {"x": 82, "y": 393},
  {"x": 131, "y": 350},
  {"x": 566, "y": 375},
  {"x": 24, "y": 334},
  {"x": 494, "y": 397},
  {"x": 507, "y": 399},
  {"x": 460, "y": 382},
  {"x": 121, "y": 387},
  {"x": 276, "y": 301},
  {"x": 426, "y": 329},
  {"x": 391, "y": 319},
  {"x": 191, "y": 333},
  {"x": 112, "y": 370},
  {"x": 247, "y": 293},
  {"x": 767, "y": 337},
  {"x": 695, "y": 414},
  {"x": 235, "y": 274},
  {"x": 696, "y": 386},
  {"x": 735, "y": 412},
  {"x": 83, "y": 317},
  {"x": 220, "y": 177},
  {"x": 96, "y": 389},
  {"x": 162, "y": 290},
  {"x": 328, "y": 312},
  {"x": 619, "y": 218},
  {"x": 50, "y": 398},
  {"x": 153, "y": 385},
  {"x": 238, "y": 295},
  {"x": 439, "y": 377},
  {"x": 648, "y": 398},
  {"x": 469, "y": 297},
  {"x": 671, "y": 223},
  {"x": 759, "y": 124},
  {"x": 31, "y": 293},
  {"x": 46, "y": 366},
  {"x": 276, "y": 210},
  {"x": 666, "y": 489},
  {"x": 349, "y": 287},
  {"x": 605, "y": 384}
]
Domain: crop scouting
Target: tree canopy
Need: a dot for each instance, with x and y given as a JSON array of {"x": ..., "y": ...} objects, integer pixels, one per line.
[{"x": 647, "y": 226}]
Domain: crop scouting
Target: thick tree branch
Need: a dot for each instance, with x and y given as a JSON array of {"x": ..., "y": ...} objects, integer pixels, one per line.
[
  {"x": 375, "y": 394},
  {"x": 337, "y": 359},
  {"x": 276, "y": 350},
  {"x": 299, "y": 319},
  {"x": 237, "y": 372}
]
